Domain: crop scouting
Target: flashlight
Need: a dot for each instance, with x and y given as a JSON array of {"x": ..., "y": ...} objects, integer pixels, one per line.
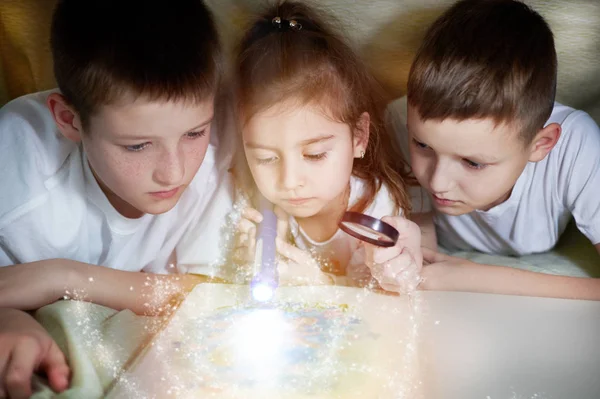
[{"x": 266, "y": 277}]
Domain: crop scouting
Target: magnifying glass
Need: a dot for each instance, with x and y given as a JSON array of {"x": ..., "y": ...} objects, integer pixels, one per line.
[{"x": 369, "y": 229}]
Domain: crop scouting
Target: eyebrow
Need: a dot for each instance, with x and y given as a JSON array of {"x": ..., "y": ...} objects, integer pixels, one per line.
[
  {"x": 206, "y": 122},
  {"x": 303, "y": 143},
  {"x": 316, "y": 140}
]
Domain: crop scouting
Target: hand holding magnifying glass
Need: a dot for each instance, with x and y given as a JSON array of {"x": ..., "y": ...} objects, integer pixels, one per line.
[{"x": 392, "y": 249}]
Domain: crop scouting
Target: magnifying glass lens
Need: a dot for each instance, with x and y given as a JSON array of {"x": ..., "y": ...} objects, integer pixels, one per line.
[
  {"x": 368, "y": 232},
  {"x": 369, "y": 229}
]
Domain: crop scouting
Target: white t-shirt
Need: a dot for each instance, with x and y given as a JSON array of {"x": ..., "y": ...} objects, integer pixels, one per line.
[
  {"x": 342, "y": 251},
  {"x": 566, "y": 183},
  {"x": 52, "y": 207}
]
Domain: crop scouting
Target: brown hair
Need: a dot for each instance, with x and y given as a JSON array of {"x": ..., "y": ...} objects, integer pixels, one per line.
[
  {"x": 103, "y": 49},
  {"x": 313, "y": 65},
  {"x": 486, "y": 59}
]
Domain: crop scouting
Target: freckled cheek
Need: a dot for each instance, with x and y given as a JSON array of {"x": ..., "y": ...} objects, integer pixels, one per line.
[
  {"x": 137, "y": 168},
  {"x": 130, "y": 167},
  {"x": 197, "y": 150},
  {"x": 194, "y": 155}
]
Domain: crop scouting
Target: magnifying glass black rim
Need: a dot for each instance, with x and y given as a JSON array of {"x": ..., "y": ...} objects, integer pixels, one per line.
[{"x": 372, "y": 223}]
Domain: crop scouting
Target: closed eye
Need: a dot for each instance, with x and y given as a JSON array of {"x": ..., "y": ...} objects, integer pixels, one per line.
[
  {"x": 473, "y": 165},
  {"x": 137, "y": 147},
  {"x": 266, "y": 161},
  {"x": 316, "y": 157},
  {"x": 420, "y": 145},
  {"x": 195, "y": 135}
]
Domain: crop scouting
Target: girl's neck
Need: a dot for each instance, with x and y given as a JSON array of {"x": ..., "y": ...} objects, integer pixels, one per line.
[{"x": 322, "y": 226}]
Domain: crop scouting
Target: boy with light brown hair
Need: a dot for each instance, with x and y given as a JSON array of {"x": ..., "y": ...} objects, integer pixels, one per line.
[
  {"x": 505, "y": 166},
  {"x": 112, "y": 170}
]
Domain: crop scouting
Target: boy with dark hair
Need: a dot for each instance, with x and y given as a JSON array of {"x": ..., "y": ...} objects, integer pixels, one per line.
[
  {"x": 112, "y": 170},
  {"x": 505, "y": 166}
]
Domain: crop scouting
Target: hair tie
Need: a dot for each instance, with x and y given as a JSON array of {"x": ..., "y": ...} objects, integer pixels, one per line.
[{"x": 285, "y": 24}]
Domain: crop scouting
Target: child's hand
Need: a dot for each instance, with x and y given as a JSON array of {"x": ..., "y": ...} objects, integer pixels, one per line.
[
  {"x": 443, "y": 272},
  {"x": 26, "y": 347},
  {"x": 245, "y": 245},
  {"x": 398, "y": 268},
  {"x": 297, "y": 266}
]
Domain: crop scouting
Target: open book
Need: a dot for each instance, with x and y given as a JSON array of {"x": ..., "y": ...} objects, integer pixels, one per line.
[{"x": 310, "y": 342}]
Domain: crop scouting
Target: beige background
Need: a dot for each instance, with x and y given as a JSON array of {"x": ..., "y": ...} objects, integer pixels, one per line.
[{"x": 386, "y": 32}]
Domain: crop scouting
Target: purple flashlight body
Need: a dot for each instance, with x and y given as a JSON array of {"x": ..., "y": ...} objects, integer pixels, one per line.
[{"x": 267, "y": 277}]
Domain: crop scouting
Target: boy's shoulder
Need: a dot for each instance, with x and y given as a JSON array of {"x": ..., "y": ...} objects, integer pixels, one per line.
[
  {"x": 578, "y": 147},
  {"x": 32, "y": 150},
  {"x": 571, "y": 120},
  {"x": 577, "y": 127},
  {"x": 565, "y": 183},
  {"x": 26, "y": 124}
]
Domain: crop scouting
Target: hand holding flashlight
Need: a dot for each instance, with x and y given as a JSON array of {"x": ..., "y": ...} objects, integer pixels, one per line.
[{"x": 294, "y": 265}]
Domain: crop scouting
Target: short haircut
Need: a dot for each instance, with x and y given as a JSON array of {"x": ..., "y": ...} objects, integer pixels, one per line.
[
  {"x": 104, "y": 49},
  {"x": 486, "y": 59}
]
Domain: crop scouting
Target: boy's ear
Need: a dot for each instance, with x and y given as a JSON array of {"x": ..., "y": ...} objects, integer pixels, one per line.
[
  {"x": 544, "y": 141},
  {"x": 65, "y": 116},
  {"x": 361, "y": 135}
]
